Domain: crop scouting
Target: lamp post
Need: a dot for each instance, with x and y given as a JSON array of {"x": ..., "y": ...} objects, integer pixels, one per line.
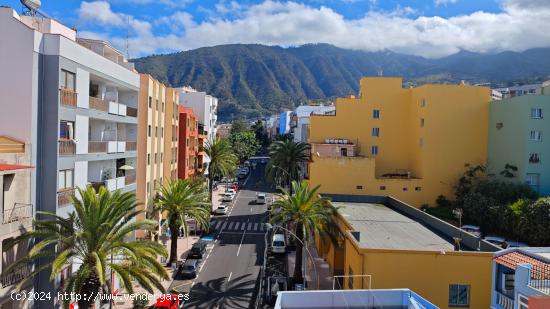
[{"x": 270, "y": 227}]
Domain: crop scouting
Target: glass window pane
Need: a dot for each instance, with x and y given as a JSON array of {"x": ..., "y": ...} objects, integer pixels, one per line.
[
  {"x": 69, "y": 178},
  {"x": 61, "y": 180},
  {"x": 70, "y": 80}
]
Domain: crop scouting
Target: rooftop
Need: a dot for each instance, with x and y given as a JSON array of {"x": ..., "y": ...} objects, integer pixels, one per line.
[{"x": 381, "y": 227}]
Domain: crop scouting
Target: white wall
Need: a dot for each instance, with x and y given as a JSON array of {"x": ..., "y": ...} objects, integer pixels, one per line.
[
  {"x": 80, "y": 174},
  {"x": 82, "y": 88},
  {"x": 96, "y": 169},
  {"x": 81, "y": 134}
]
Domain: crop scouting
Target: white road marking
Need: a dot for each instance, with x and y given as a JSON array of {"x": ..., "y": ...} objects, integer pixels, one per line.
[
  {"x": 224, "y": 224},
  {"x": 255, "y": 226},
  {"x": 240, "y": 245},
  {"x": 249, "y": 226},
  {"x": 239, "y": 233},
  {"x": 237, "y": 225},
  {"x": 218, "y": 225},
  {"x": 229, "y": 278},
  {"x": 230, "y": 225}
]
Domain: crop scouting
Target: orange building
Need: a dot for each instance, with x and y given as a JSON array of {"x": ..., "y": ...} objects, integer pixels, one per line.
[{"x": 188, "y": 143}]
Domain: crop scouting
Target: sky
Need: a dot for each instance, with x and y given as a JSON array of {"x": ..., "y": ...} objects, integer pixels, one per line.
[{"x": 428, "y": 28}]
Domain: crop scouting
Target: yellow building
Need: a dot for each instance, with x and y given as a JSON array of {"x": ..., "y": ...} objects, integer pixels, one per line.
[
  {"x": 157, "y": 124},
  {"x": 410, "y": 143},
  {"x": 389, "y": 245}
]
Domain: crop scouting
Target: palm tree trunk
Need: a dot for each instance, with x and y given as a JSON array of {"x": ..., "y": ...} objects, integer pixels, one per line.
[
  {"x": 89, "y": 291},
  {"x": 298, "y": 277},
  {"x": 174, "y": 233},
  {"x": 289, "y": 184}
]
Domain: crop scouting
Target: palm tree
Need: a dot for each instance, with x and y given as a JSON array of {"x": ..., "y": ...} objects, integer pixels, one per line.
[
  {"x": 305, "y": 212},
  {"x": 96, "y": 236},
  {"x": 182, "y": 199},
  {"x": 287, "y": 160},
  {"x": 222, "y": 160}
]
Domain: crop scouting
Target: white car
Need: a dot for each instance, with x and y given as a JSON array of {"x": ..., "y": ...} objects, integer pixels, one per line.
[
  {"x": 260, "y": 198},
  {"x": 227, "y": 197},
  {"x": 232, "y": 191},
  {"x": 278, "y": 244},
  {"x": 221, "y": 210}
]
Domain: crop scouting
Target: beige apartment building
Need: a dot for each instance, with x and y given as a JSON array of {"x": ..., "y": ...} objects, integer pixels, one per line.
[
  {"x": 157, "y": 141},
  {"x": 16, "y": 215}
]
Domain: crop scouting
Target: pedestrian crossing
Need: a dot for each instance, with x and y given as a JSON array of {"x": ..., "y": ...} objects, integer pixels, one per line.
[{"x": 237, "y": 226}]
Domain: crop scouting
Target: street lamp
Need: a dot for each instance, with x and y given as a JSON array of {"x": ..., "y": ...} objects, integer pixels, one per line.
[{"x": 270, "y": 227}]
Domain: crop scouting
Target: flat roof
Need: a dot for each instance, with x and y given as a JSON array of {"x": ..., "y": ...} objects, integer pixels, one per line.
[{"x": 381, "y": 227}]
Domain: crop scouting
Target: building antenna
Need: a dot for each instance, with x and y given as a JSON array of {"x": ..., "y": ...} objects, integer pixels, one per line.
[{"x": 127, "y": 37}]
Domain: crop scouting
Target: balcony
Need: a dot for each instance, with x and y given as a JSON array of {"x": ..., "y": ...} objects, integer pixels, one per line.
[
  {"x": 99, "y": 104},
  {"x": 111, "y": 146},
  {"x": 18, "y": 213},
  {"x": 66, "y": 147},
  {"x": 130, "y": 179},
  {"x": 504, "y": 301},
  {"x": 131, "y": 112},
  {"x": 335, "y": 148},
  {"x": 64, "y": 197},
  {"x": 15, "y": 275},
  {"x": 67, "y": 97},
  {"x": 97, "y": 147},
  {"x": 114, "y": 183}
]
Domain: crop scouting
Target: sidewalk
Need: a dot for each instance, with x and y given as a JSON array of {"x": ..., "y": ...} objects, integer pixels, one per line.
[{"x": 318, "y": 277}]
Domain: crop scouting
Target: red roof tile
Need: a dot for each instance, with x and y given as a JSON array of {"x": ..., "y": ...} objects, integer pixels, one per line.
[
  {"x": 513, "y": 259},
  {"x": 9, "y": 167}
]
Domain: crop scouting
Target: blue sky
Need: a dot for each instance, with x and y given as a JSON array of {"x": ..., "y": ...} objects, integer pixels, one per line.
[{"x": 429, "y": 28}]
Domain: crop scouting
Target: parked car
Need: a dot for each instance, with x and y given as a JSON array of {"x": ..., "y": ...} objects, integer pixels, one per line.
[
  {"x": 278, "y": 243},
  {"x": 227, "y": 197},
  {"x": 514, "y": 244},
  {"x": 221, "y": 210},
  {"x": 232, "y": 191},
  {"x": 189, "y": 269},
  {"x": 168, "y": 301},
  {"x": 472, "y": 229},
  {"x": 260, "y": 198},
  {"x": 495, "y": 240},
  {"x": 263, "y": 161},
  {"x": 197, "y": 250}
]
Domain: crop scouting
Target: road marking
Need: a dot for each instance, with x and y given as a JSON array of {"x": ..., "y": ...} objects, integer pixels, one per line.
[
  {"x": 239, "y": 233},
  {"x": 240, "y": 245},
  {"x": 237, "y": 225},
  {"x": 224, "y": 224},
  {"x": 255, "y": 226},
  {"x": 230, "y": 225},
  {"x": 218, "y": 225},
  {"x": 249, "y": 226},
  {"x": 229, "y": 278}
]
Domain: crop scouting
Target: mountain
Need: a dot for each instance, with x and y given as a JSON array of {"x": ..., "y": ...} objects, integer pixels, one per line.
[{"x": 252, "y": 80}]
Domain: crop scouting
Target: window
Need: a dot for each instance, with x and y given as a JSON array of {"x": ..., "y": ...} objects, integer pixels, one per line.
[
  {"x": 163, "y": 107},
  {"x": 149, "y": 131},
  {"x": 535, "y": 135},
  {"x": 67, "y": 80},
  {"x": 66, "y": 129},
  {"x": 157, "y": 104},
  {"x": 161, "y": 157},
  {"x": 187, "y": 162},
  {"x": 187, "y": 143},
  {"x": 382, "y": 188},
  {"x": 344, "y": 152},
  {"x": 418, "y": 189},
  {"x": 161, "y": 131},
  {"x": 423, "y": 103},
  {"x": 523, "y": 302},
  {"x": 148, "y": 187},
  {"x": 350, "y": 278},
  {"x": 375, "y": 113},
  {"x": 156, "y": 131},
  {"x": 375, "y": 131},
  {"x": 374, "y": 150},
  {"x": 405, "y": 189},
  {"x": 359, "y": 187},
  {"x": 148, "y": 159},
  {"x": 536, "y": 113},
  {"x": 156, "y": 158},
  {"x": 533, "y": 180},
  {"x": 150, "y": 102},
  {"x": 65, "y": 179},
  {"x": 459, "y": 295},
  {"x": 534, "y": 158},
  {"x": 421, "y": 122}
]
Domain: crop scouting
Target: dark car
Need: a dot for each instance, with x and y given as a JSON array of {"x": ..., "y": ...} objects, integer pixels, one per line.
[
  {"x": 188, "y": 269},
  {"x": 197, "y": 250}
]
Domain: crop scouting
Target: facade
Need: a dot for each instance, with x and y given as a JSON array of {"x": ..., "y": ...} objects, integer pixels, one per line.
[
  {"x": 16, "y": 215},
  {"x": 517, "y": 136},
  {"x": 301, "y": 123},
  {"x": 521, "y": 279},
  {"x": 284, "y": 122},
  {"x": 387, "y": 244},
  {"x": 204, "y": 106},
  {"x": 367, "y": 299},
  {"x": 188, "y": 143},
  {"x": 410, "y": 143},
  {"x": 157, "y": 141},
  {"x": 521, "y": 90},
  {"x": 76, "y": 102}
]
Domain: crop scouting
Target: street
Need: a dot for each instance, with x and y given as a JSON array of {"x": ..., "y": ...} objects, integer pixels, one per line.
[{"x": 228, "y": 275}]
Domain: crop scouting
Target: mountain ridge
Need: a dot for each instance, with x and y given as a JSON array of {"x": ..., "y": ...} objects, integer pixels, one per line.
[{"x": 253, "y": 79}]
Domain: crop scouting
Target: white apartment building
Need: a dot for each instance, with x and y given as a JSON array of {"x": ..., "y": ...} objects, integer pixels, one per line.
[
  {"x": 74, "y": 100},
  {"x": 301, "y": 119},
  {"x": 205, "y": 108}
]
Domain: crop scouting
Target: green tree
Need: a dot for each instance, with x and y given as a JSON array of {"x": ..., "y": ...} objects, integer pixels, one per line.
[
  {"x": 261, "y": 133},
  {"x": 182, "y": 199},
  {"x": 287, "y": 161},
  {"x": 239, "y": 126},
  {"x": 222, "y": 160},
  {"x": 306, "y": 212},
  {"x": 244, "y": 145},
  {"x": 534, "y": 224},
  {"x": 97, "y": 234}
]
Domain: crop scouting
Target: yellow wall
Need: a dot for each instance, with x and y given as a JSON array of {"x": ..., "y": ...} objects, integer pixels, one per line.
[{"x": 454, "y": 133}]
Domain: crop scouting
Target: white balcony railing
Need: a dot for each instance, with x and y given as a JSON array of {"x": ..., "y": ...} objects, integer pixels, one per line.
[
  {"x": 504, "y": 301},
  {"x": 117, "y": 108}
]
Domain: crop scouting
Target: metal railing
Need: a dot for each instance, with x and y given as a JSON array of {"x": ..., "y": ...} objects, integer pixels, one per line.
[
  {"x": 19, "y": 212},
  {"x": 15, "y": 275},
  {"x": 540, "y": 278},
  {"x": 131, "y": 112},
  {"x": 67, "y": 97},
  {"x": 95, "y": 147},
  {"x": 64, "y": 197},
  {"x": 67, "y": 146},
  {"x": 99, "y": 104},
  {"x": 504, "y": 301}
]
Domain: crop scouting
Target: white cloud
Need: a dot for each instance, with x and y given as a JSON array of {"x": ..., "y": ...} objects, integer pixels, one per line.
[
  {"x": 444, "y": 2},
  {"x": 290, "y": 23}
]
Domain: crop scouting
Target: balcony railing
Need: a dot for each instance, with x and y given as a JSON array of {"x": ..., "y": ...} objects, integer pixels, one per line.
[
  {"x": 131, "y": 146},
  {"x": 504, "y": 301},
  {"x": 130, "y": 179},
  {"x": 67, "y": 97},
  {"x": 16, "y": 275},
  {"x": 95, "y": 147},
  {"x": 19, "y": 212},
  {"x": 132, "y": 112},
  {"x": 540, "y": 278},
  {"x": 67, "y": 146},
  {"x": 99, "y": 104},
  {"x": 64, "y": 197}
]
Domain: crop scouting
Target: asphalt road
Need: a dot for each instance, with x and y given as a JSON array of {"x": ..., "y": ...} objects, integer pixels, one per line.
[{"x": 228, "y": 276}]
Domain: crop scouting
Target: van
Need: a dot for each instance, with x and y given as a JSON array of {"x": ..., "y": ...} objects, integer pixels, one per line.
[
  {"x": 278, "y": 244},
  {"x": 260, "y": 198}
]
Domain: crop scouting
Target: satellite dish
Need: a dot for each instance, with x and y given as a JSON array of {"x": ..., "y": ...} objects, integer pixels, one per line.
[{"x": 32, "y": 5}]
